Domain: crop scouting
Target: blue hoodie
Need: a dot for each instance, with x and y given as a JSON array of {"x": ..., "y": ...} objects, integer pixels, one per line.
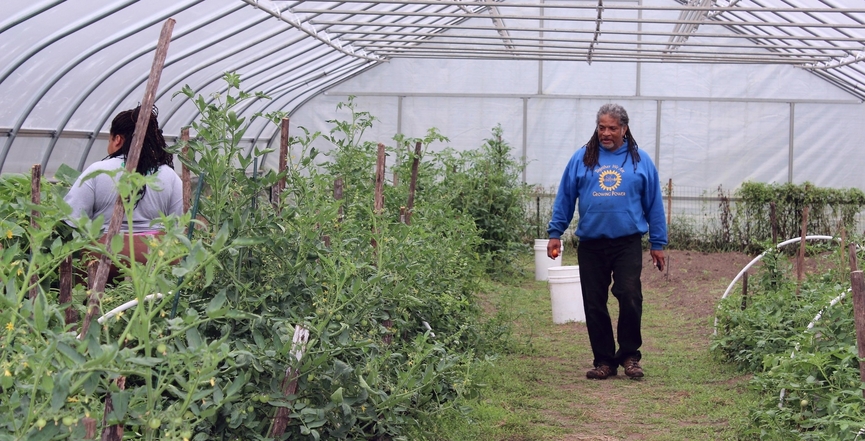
[{"x": 615, "y": 200}]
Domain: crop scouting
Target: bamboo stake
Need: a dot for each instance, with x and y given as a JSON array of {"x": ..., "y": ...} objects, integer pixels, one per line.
[
  {"x": 858, "y": 285},
  {"x": 35, "y": 198},
  {"x": 413, "y": 184},
  {"x": 131, "y": 164},
  {"x": 185, "y": 173}
]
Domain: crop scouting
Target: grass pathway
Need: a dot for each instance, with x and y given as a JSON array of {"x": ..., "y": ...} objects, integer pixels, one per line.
[{"x": 539, "y": 390}]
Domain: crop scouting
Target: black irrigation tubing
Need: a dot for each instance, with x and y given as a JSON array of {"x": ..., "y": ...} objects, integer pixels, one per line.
[{"x": 189, "y": 237}]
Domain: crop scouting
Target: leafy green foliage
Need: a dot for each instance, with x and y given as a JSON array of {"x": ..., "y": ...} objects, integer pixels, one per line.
[
  {"x": 364, "y": 285},
  {"x": 394, "y": 329},
  {"x": 52, "y": 380},
  {"x": 829, "y": 209},
  {"x": 801, "y": 349},
  {"x": 487, "y": 186}
]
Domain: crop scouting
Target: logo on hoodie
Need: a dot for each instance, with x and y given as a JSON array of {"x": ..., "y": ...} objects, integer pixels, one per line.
[{"x": 609, "y": 177}]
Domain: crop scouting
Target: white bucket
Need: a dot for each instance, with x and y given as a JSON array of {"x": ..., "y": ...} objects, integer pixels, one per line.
[
  {"x": 566, "y": 294},
  {"x": 542, "y": 262}
]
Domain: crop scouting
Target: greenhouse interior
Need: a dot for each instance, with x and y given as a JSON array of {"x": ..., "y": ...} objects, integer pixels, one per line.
[{"x": 728, "y": 98}]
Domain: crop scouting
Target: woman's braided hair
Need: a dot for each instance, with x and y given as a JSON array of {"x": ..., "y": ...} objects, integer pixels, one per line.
[
  {"x": 590, "y": 159},
  {"x": 153, "y": 151}
]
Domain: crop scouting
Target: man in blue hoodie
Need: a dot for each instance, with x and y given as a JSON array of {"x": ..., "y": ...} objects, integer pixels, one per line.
[{"x": 619, "y": 196}]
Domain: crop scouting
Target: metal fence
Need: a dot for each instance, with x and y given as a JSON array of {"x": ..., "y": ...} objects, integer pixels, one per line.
[{"x": 700, "y": 211}]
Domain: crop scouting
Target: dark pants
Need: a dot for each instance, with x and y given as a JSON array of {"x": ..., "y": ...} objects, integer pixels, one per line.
[{"x": 619, "y": 261}]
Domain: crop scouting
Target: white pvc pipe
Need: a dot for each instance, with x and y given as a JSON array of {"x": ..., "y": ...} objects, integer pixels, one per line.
[
  {"x": 126, "y": 306},
  {"x": 757, "y": 259}
]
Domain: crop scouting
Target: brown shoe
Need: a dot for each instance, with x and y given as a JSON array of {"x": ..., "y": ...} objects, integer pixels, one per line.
[
  {"x": 601, "y": 372},
  {"x": 632, "y": 368}
]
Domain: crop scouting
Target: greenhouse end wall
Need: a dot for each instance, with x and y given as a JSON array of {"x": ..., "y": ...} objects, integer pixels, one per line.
[{"x": 698, "y": 131}]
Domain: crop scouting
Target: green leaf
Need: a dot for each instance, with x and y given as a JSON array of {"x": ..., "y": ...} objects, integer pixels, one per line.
[
  {"x": 193, "y": 338},
  {"x": 218, "y": 396},
  {"x": 120, "y": 402},
  {"x": 216, "y": 302},
  {"x": 39, "y": 313},
  {"x": 66, "y": 174},
  {"x": 336, "y": 397},
  {"x": 117, "y": 244},
  {"x": 235, "y": 385},
  {"x": 70, "y": 352},
  {"x": 60, "y": 391},
  {"x": 145, "y": 361},
  {"x": 90, "y": 383},
  {"x": 341, "y": 368},
  {"x": 259, "y": 339}
]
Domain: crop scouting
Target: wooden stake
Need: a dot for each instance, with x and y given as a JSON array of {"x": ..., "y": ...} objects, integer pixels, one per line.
[
  {"x": 379, "y": 180},
  {"x": 413, "y": 184},
  {"x": 89, "y": 427},
  {"x": 843, "y": 243},
  {"x": 65, "y": 294},
  {"x": 378, "y": 206},
  {"x": 800, "y": 261},
  {"x": 669, "y": 202},
  {"x": 858, "y": 285},
  {"x": 854, "y": 261},
  {"x": 289, "y": 382},
  {"x": 283, "y": 158},
  {"x": 35, "y": 198},
  {"x": 774, "y": 221},
  {"x": 667, "y": 260},
  {"x": 131, "y": 164},
  {"x": 115, "y": 432}
]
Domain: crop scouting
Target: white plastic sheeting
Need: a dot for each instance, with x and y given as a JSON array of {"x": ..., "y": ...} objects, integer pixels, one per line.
[
  {"x": 718, "y": 124},
  {"x": 719, "y": 92}
]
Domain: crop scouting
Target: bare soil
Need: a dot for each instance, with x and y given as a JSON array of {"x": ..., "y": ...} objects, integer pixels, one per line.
[
  {"x": 619, "y": 408},
  {"x": 679, "y": 310}
]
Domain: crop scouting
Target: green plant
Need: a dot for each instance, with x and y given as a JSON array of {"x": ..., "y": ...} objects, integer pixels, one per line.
[
  {"x": 830, "y": 210},
  {"x": 364, "y": 285},
  {"x": 394, "y": 330},
  {"x": 488, "y": 188},
  {"x": 801, "y": 350},
  {"x": 154, "y": 370}
]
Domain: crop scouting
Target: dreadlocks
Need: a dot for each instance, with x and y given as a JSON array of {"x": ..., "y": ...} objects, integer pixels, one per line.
[
  {"x": 590, "y": 159},
  {"x": 153, "y": 151}
]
